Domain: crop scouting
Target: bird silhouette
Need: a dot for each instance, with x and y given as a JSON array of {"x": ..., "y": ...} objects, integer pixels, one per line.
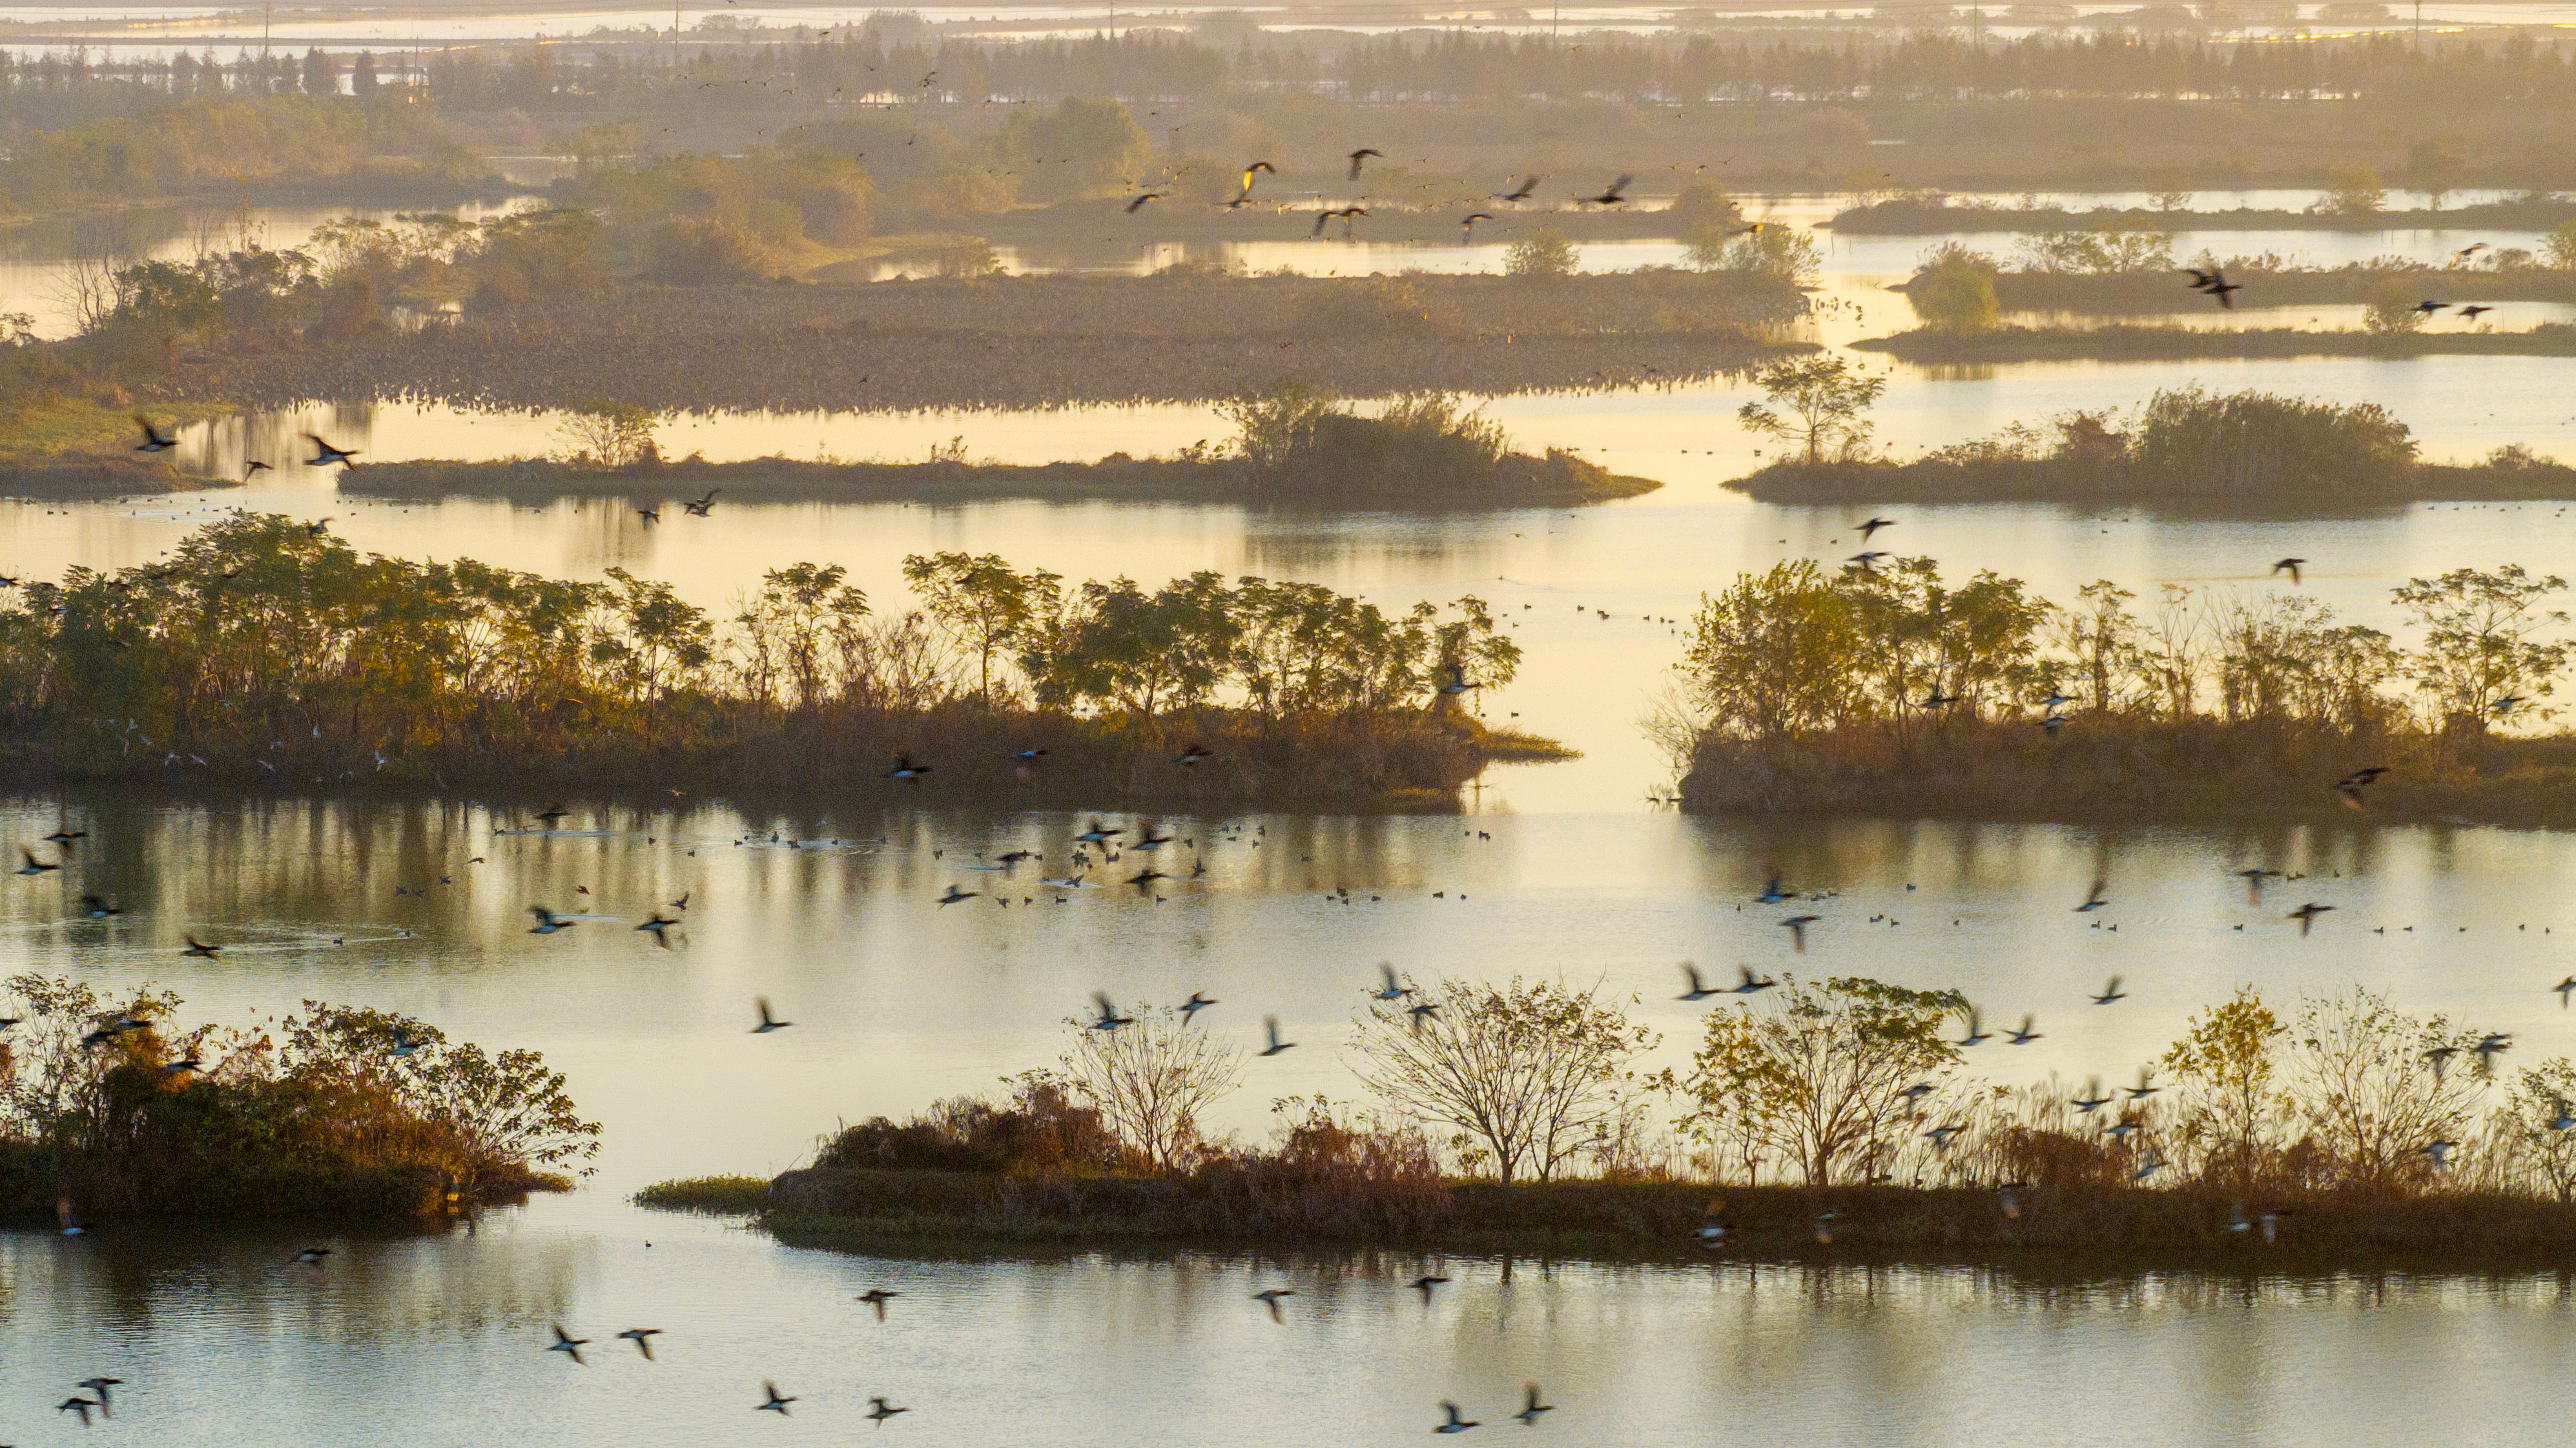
[
  {"x": 1269, "y": 1297},
  {"x": 772, "y": 1401},
  {"x": 2290, "y": 566},
  {"x": 2110, "y": 993},
  {"x": 879, "y": 1410},
  {"x": 1138, "y": 204},
  {"x": 1797, "y": 925},
  {"x": 1270, "y": 1027},
  {"x": 1612, "y": 195},
  {"x": 1522, "y": 192},
  {"x": 1697, "y": 991},
  {"x": 2095, "y": 899},
  {"x": 1872, "y": 524},
  {"x": 877, "y": 1297},
  {"x": 1455, "y": 1423},
  {"x": 2306, "y": 915},
  {"x": 642, "y": 1337},
  {"x": 1197, "y": 1002},
  {"x": 1359, "y": 156},
  {"x": 324, "y": 455},
  {"x": 154, "y": 439},
  {"x": 1108, "y": 1019},
  {"x": 700, "y": 507},
  {"x": 2023, "y": 1035},
  {"x": 1532, "y": 1408},
  {"x": 569, "y": 1345},
  {"x": 768, "y": 1022}
]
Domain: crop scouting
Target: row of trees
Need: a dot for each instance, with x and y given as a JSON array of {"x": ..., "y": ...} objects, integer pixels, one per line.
[
  {"x": 1797, "y": 652},
  {"x": 260, "y": 629}
]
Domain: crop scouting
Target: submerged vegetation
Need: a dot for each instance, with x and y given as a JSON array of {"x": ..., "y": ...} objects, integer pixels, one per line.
[
  {"x": 110, "y": 1108},
  {"x": 266, "y": 651},
  {"x": 1886, "y": 689},
  {"x": 1832, "y": 1118}
]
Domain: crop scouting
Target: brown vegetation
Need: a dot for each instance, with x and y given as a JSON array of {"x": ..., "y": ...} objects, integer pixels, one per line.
[
  {"x": 1016, "y": 342},
  {"x": 108, "y": 1108}
]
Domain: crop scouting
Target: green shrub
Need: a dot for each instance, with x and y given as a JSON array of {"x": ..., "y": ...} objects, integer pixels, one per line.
[
  {"x": 1954, "y": 291},
  {"x": 1543, "y": 253}
]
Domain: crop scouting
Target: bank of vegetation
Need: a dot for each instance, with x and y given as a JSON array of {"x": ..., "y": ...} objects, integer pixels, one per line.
[
  {"x": 264, "y": 652},
  {"x": 112, "y": 1109},
  {"x": 1885, "y": 689},
  {"x": 1296, "y": 446},
  {"x": 1829, "y": 1120},
  {"x": 2183, "y": 448},
  {"x": 957, "y": 125}
]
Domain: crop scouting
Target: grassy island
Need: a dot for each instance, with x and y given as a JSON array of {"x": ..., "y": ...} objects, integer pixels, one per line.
[
  {"x": 1298, "y": 448},
  {"x": 2182, "y": 449},
  {"x": 265, "y": 653},
  {"x": 1828, "y": 1121},
  {"x": 1928, "y": 345},
  {"x": 110, "y": 1109}
]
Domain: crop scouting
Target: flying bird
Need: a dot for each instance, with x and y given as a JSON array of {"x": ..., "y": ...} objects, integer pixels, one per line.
[
  {"x": 325, "y": 455},
  {"x": 1197, "y": 1002},
  {"x": 1797, "y": 925},
  {"x": 1270, "y": 1027},
  {"x": 1529, "y": 1413},
  {"x": 699, "y": 507},
  {"x": 2094, "y": 900},
  {"x": 569, "y": 1345},
  {"x": 1699, "y": 991},
  {"x": 879, "y": 1410},
  {"x": 642, "y": 1337},
  {"x": 154, "y": 439},
  {"x": 548, "y": 922},
  {"x": 877, "y": 1297},
  {"x": 1364, "y": 153},
  {"x": 1614, "y": 195},
  {"x": 1871, "y": 525},
  {"x": 2306, "y": 915},
  {"x": 1269, "y": 1297},
  {"x": 1456, "y": 1424},
  {"x": 2291, "y": 567},
  {"x": 1467, "y": 225},
  {"x": 1108, "y": 1019},
  {"x": 771, "y": 1401},
  {"x": 1141, "y": 198},
  {"x": 1522, "y": 192},
  {"x": 2110, "y": 993},
  {"x": 768, "y": 1022}
]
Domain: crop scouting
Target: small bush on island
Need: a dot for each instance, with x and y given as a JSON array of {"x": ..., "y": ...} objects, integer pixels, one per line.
[
  {"x": 109, "y": 1108},
  {"x": 1954, "y": 292}
]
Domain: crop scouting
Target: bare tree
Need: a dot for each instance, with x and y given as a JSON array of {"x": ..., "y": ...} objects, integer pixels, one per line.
[
  {"x": 1151, "y": 1080},
  {"x": 1529, "y": 1072},
  {"x": 2375, "y": 1087}
]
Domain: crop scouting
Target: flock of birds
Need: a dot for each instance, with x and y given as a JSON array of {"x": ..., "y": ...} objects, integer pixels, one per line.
[
  {"x": 160, "y": 440},
  {"x": 1609, "y": 197},
  {"x": 2213, "y": 283}
]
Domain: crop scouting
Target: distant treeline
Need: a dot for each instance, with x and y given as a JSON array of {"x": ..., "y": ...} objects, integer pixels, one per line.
[
  {"x": 944, "y": 125},
  {"x": 264, "y": 651}
]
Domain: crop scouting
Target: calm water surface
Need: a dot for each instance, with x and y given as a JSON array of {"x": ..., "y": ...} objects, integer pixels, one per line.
[{"x": 898, "y": 1001}]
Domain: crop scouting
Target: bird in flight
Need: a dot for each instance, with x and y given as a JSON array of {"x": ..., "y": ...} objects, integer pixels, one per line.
[
  {"x": 2023, "y": 1035},
  {"x": 1138, "y": 204},
  {"x": 2351, "y": 785},
  {"x": 1364, "y": 153},
  {"x": 1269, "y": 1297},
  {"x": 1393, "y": 990},
  {"x": 548, "y": 922},
  {"x": 1197, "y": 1002},
  {"x": 1871, "y": 525},
  {"x": 569, "y": 1345},
  {"x": 1529, "y": 1413},
  {"x": 2291, "y": 567},
  {"x": 1977, "y": 1032},
  {"x": 954, "y": 895},
  {"x": 1522, "y": 192},
  {"x": 154, "y": 439},
  {"x": 905, "y": 769},
  {"x": 2214, "y": 282},
  {"x": 772, "y": 1402},
  {"x": 877, "y": 1297},
  {"x": 33, "y": 866},
  {"x": 1467, "y": 225},
  {"x": 698, "y": 507},
  {"x": 2096, "y": 899},
  {"x": 1754, "y": 984},
  {"x": 879, "y": 1410},
  {"x": 2306, "y": 915},
  {"x": 1424, "y": 1283},
  {"x": 2471, "y": 314},
  {"x": 1615, "y": 194},
  {"x": 1108, "y": 1019},
  {"x": 325, "y": 455},
  {"x": 768, "y": 1022},
  {"x": 1270, "y": 1027},
  {"x": 1797, "y": 925},
  {"x": 200, "y": 949},
  {"x": 2145, "y": 1087},
  {"x": 642, "y": 1337},
  {"x": 1699, "y": 991},
  {"x": 2110, "y": 993},
  {"x": 1456, "y": 1424}
]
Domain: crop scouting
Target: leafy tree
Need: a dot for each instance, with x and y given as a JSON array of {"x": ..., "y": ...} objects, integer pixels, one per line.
[
  {"x": 1954, "y": 291},
  {"x": 1772, "y": 656},
  {"x": 1821, "y": 1080},
  {"x": 1274, "y": 423},
  {"x": 800, "y": 621},
  {"x": 986, "y": 603},
  {"x": 650, "y": 641},
  {"x": 1527, "y": 1073},
  {"x": 2352, "y": 190},
  {"x": 2226, "y": 1064},
  {"x": 1767, "y": 251},
  {"x": 1119, "y": 647},
  {"x": 1153, "y": 1080},
  {"x": 1543, "y": 253},
  {"x": 1085, "y": 146},
  {"x": 2558, "y": 248},
  {"x": 1820, "y": 399},
  {"x": 609, "y": 434},
  {"x": 2391, "y": 310},
  {"x": 321, "y": 73},
  {"x": 363, "y": 82},
  {"x": 2481, "y": 640},
  {"x": 2532, "y": 1129}
]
